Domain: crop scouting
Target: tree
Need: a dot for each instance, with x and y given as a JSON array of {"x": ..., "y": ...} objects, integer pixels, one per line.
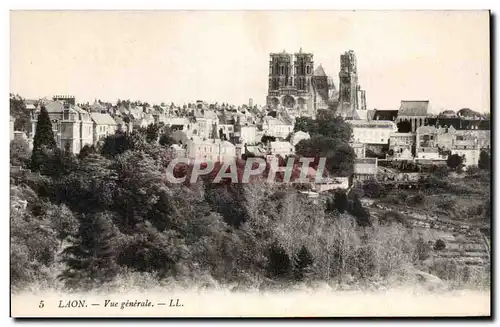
[
  {"x": 44, "y": 138},
  {"x": 267, "y": 138},
  {"x": 279, "y": 263},
  {"x": 439, "y": 245},
  {"x": 116, "y": 144},
  {"x": 484, "y": 160},
  {"x": 166, "y": 140},
  {"x": 372, "y": 188},
  {"x": 90, "y": 260},
  {"x": 422, "y": 249},
  {"x": 19, "y": 153},
  {"x": 20, "y": 113},
  {"x": 361, "y": 214},
  {"x": 340, "y": 202},
  {"x": 302, "y": 264},
  {"x": 455, "y": 161},
  {"x": 152, "y": 132},
  {"x": 86, "y": 151},
  {"x": 404, "y": 127}
]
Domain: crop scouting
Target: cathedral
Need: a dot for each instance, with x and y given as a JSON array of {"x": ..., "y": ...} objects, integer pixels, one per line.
[
  {"x": 296, "y": 86},
  {"x": 300, "y": 89}
]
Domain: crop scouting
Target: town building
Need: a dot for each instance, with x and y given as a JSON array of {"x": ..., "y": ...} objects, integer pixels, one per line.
[
  {"x": 72, "y": 126},
  {"x": 248, "y": 134},
  {"x": 470, "y": 153},
  {"x": 427, "y": 146},
  {"x": 414, "y": 113},
  {"x": 359, "y": 149},
  {"x": 277, "y": 127},
  {"x": 372, "y": 132},
  {"x": 210, "y": 150},
  {"x": 402, "y": 145},
  {"x": 205, "y": 122},
  {"x": 103, "y": 126},
  {"x": 365, "y": 168},
  {"x": 281, "y": 148}
]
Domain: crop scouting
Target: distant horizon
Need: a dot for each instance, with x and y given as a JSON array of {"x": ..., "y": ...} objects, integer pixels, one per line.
[{"x": 185, "y": 56}]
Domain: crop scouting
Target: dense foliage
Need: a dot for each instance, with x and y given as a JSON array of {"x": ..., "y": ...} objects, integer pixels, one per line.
[
  {"x": 330, "y": 137},
  {"x": 85, "y": 221}
]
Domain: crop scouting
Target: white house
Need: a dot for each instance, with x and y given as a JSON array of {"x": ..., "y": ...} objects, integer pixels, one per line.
[
  {"x": 373, "y": 131},
  {"x": 210, "y": 150},
  {"x": 72, "y": 125},
  {"x": 276, "y": 127},
  {"x": 280, "y": 148},
  {"x": 248, "y": 134},
  {"x": 469, "y": 153},
  {"x": 104, "y": 125}
]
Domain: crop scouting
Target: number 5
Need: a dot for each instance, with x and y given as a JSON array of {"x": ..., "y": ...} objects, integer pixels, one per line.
[{"x": 41, "y": 304}]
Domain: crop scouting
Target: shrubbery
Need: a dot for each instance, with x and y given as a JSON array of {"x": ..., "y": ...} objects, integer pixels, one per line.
[{"x": 111, "y": 214}]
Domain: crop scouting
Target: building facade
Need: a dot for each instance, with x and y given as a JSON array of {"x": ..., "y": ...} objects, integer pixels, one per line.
[
  {"x": 414, "y": 113},
  {"x": 402, "y": 145},
  {"x": 372, "y": 132},
  {"x": 351, "y": 96},
  {"x": 210, "y": 150},
  {"x": 296, "y": 86},
  {"x": 72, "y": 126},
  {"x": 103, "y": 126}
]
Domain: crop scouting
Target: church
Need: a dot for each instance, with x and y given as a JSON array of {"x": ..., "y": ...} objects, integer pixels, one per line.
[
  {"x": 300, "y": 89},
  {"x": 294, "y": 85}
]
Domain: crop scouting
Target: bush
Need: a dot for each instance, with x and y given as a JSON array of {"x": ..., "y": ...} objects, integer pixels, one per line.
[
  {"x": 423, "y": 249},
  {"x": 417, "y": 199},
  {"x": 372, "y": 188},
  {"x": 391, "y": 217},
  {"x": 439, "y": 245}
]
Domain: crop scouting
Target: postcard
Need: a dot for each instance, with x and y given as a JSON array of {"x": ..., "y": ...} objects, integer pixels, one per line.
[{"x": 318, "y": 163}]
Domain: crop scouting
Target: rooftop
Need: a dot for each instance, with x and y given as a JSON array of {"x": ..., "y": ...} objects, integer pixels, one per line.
[
  {"x": 102, "y": 119},
  {"x": 414, "y": 108}
]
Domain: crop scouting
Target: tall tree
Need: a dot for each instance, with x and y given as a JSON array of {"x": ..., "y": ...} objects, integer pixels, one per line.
[
  {"x": 484, "y": 160},
  {"x": 19, "y": 112},
  {"x": 361, "y": 214},
  {"x": 279, "y": 264},
  {"x": 340, "y": 202},
  {"x": 303, "y": 263},
  {"x": 91, "y": 260},
  {"x": 455, "y": 161},
  {"x": 44, "y": 138},
  {"x": 152, "y": 132}
]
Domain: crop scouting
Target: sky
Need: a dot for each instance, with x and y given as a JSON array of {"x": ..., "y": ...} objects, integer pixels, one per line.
[{"x": 184, "y": 56}]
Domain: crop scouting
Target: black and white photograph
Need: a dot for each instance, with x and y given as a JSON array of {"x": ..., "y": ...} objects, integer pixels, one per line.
[{"x": 250, "y": 163}]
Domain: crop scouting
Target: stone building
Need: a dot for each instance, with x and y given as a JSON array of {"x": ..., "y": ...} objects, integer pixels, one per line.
[
  {"x": 296, "y": 86},
  {"x": 413, "y": 112},
  {"x": 402, "y": 145},
  {"x": 72, "y": 126},
  {"x": 365, "y": 168},
  {"x": 351, "y": 96},
  {"x": 210, "y": 150}
]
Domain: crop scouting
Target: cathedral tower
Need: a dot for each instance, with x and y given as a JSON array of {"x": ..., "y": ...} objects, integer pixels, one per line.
[{"x": 348, "y": 87}]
